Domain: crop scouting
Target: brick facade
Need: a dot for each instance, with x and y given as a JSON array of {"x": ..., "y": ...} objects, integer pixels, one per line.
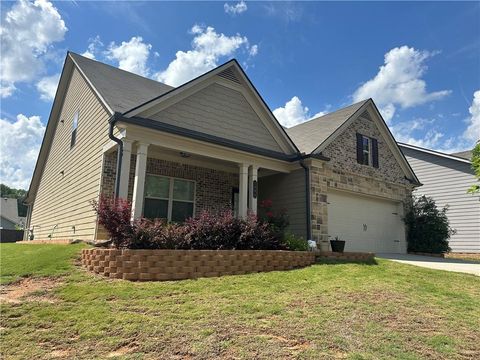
[
  {"x": 213, "y": 188},
  {"x": 343, "y": 172}
]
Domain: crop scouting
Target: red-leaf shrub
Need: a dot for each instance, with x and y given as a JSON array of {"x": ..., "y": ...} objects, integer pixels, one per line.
[
  {"x": 208, "y": 231},
  {"x": 278, "y": 220},
  {"x": 114, "y": 216}
]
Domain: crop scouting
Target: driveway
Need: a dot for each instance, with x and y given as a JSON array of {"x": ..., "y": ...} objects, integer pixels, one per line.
[{"x": 464, "y": 266}]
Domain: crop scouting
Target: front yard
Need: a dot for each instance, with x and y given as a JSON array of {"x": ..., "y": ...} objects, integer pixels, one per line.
[{"x": 384, "y": 310}]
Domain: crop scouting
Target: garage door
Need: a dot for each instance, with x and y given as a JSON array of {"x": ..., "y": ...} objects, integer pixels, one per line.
[{"x": 365, "y": 223}]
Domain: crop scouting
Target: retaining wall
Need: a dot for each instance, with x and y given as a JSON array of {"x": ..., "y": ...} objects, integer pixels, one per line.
[{"x": 144, "y": 265}]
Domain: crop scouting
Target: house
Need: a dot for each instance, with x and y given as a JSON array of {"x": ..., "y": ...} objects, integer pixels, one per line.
[
  {"x": 213, "y": 143},
  {"x": 446, "y": 178},
  {"x": 9, "y": 217}
]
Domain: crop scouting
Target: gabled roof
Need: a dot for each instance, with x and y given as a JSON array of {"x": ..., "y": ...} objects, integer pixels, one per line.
[
  {"x": 438, "y": 153},
  {"x": 230, "y": 69},
  {"x": 9, "y": 210},
  {"x": 119, "y": 89},
  {"x": 463, "y": 154},
  {"x": 310, "y": 134}
]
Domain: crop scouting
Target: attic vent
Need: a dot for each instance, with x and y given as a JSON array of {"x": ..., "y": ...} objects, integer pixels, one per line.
[
  {"x": 366, "y": 115},
  {"x": 229, "y": 74}
]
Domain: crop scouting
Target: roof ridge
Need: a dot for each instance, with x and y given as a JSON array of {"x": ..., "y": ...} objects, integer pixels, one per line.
[
  {"x": 321, "y": 116},
  {"x": 116, "y": 68}
]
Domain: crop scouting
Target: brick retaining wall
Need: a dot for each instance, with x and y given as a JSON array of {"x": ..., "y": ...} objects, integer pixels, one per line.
[
  {"x": 147, "y": 265},
  {"x": 350, "y": 256}
]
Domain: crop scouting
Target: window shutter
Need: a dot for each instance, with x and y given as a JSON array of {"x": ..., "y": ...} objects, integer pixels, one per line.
[
  {"x": 375, "y": 153},
  {"x": 359, "y": 148}
]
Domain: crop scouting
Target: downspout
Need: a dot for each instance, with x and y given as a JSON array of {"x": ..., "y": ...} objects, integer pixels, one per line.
[
  {"x": 112, "y": 121},
  {"x": 307, "y": 196}
]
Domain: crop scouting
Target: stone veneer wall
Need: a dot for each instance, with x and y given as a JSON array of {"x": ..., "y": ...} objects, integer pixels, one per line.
[
  {"x": 213, "y": 188},
  {"x": 189, "y": 264},
  {"x": 343, "y": 172}
]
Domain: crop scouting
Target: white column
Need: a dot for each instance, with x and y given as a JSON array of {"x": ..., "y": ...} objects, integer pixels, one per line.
[
  {"x": 242, "y": 190},
  {"x": 125, "y": 172},
  {"x": 253, "y": 188},
  {"x": 139, "y": 183}
]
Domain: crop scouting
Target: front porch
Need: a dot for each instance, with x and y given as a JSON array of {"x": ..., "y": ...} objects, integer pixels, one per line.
[{"x": 175, "y": 184}]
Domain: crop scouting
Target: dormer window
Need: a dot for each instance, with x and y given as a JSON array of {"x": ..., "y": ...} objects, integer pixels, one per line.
[
  {"x": 367, "y": 150},
  {"x": 74, "y": 130}
]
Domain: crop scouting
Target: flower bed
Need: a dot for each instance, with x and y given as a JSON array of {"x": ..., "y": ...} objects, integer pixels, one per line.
[{"x": 144, "y": 265}]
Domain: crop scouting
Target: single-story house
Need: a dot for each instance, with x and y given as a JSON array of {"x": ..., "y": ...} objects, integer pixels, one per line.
[
  {"x": 9, "y": 217},
  {"x": 213, "y": 143},
  {"x": 446, "y": 178}
]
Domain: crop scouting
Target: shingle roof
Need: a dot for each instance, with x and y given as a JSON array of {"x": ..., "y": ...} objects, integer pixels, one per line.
[
  {"x": 120, "y": 89},
  {"x": 463, "y": 154},
  {"x": 310, "y": 134}
]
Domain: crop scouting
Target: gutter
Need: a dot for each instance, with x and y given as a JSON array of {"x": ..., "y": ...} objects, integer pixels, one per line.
[{"x": 112, "y": 121}]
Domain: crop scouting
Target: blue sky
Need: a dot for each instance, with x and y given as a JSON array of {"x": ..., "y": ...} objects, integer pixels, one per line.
[{"x": 419, "y": 61}]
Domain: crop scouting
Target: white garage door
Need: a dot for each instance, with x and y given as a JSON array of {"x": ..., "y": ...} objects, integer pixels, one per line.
[{"x": 365, "y": 223}]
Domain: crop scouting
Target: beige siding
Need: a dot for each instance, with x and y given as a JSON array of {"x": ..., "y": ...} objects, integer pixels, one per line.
[
  {"x": 64, "y": 200},
  {"x": 447, "y": 181},
  {"x": 287, "y": 191},
  {"x": 222, "y": 112}
]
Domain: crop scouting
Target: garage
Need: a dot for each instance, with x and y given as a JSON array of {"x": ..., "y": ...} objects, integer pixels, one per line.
[{"x": 367, "y": 224}]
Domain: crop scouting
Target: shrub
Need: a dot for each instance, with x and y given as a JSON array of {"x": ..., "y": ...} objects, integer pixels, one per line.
[
  {"x": 428, "y": 229},
  {"x": 207, "y": 231},
  {"x": 295, "y": 243},
  {"x": 114, "y": 216},
  {"x": 277, "y": 220}
]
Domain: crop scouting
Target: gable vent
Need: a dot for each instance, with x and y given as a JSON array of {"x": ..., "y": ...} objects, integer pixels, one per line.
[
  {"x": 366, "y": 115},
  {"x": 229, "y": 74}
]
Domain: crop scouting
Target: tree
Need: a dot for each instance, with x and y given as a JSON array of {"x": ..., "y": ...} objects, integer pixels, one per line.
[
  {"x": 475, "y": 188},
  {"x": 428, "y": 228}
]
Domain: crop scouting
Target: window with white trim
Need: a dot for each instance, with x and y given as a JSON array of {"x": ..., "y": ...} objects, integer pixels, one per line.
[
  {"x": 168, "y": 198},
  {"x": 366, "y": 150},
  {"x": 74, "y": 130}
]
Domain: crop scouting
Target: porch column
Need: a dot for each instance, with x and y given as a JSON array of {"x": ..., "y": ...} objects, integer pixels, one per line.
[
  {"x": 253, "y": 188},
  {"x": 242, "y": 190},
  {"x": 125, "y": 172},
  {"x": 139, "y": 183}
]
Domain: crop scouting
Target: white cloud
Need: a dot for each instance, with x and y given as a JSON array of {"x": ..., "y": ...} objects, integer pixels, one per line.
[
  {"x": 208, "y": 47},
  {"x": 93, "y": 47},
  {"x": 473, "y": 130},
  {"x": 131, "y": 56},
  {"x": 253, "y": 50},
  {"x": 235, "y": 9},
  {"x": 409, "y": 132},
  {"x": 19, "y": 148},
  {"x": 47, "y": 87},
  {"x": 294, "y": 113},
  {"x": 27, "y": 32},
  {"x": 399, "y": 82}
]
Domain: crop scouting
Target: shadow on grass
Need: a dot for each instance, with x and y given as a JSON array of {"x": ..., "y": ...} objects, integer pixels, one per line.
[{"x": 344, "y": 261}]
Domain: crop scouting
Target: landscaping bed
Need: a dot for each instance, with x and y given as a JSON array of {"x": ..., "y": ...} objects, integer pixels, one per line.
[{"x": 147, "y": 265}]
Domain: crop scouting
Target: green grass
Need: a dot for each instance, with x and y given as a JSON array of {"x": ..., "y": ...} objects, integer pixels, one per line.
[
  {"x": 354, "y": 311},
  {"x": 20, "y": 260}
]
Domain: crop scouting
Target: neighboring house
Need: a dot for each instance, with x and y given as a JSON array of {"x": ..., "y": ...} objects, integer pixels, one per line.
[
  {"x": 446, "y": 178},
  {"x": 213, "y": 144},
  {"x": 9, "y": 218}
]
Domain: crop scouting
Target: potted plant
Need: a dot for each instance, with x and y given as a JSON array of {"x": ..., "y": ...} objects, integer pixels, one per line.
[{"x": 337, "y": 245}]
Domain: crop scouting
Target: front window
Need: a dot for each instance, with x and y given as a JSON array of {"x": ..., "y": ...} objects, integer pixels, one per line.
[
  {"x": 168, "y": 198},
  {"x": 366, "y": 150}
]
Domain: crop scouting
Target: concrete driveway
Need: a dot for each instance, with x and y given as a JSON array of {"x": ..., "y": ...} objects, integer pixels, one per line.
[{"x": 463, "y": 266}]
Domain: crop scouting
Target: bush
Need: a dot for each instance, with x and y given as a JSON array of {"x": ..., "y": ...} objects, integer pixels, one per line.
[
  {"x": 428, "y": 227},
  {"x": 114, "y": 216},
  {"x": 277, "y": 220},
  {"x": 207, "y": 231},
  {"x": 295, "y": 243}
]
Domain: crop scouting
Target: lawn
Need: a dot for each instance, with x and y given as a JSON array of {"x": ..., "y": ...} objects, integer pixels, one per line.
[{"x": 356, "y": 311}]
